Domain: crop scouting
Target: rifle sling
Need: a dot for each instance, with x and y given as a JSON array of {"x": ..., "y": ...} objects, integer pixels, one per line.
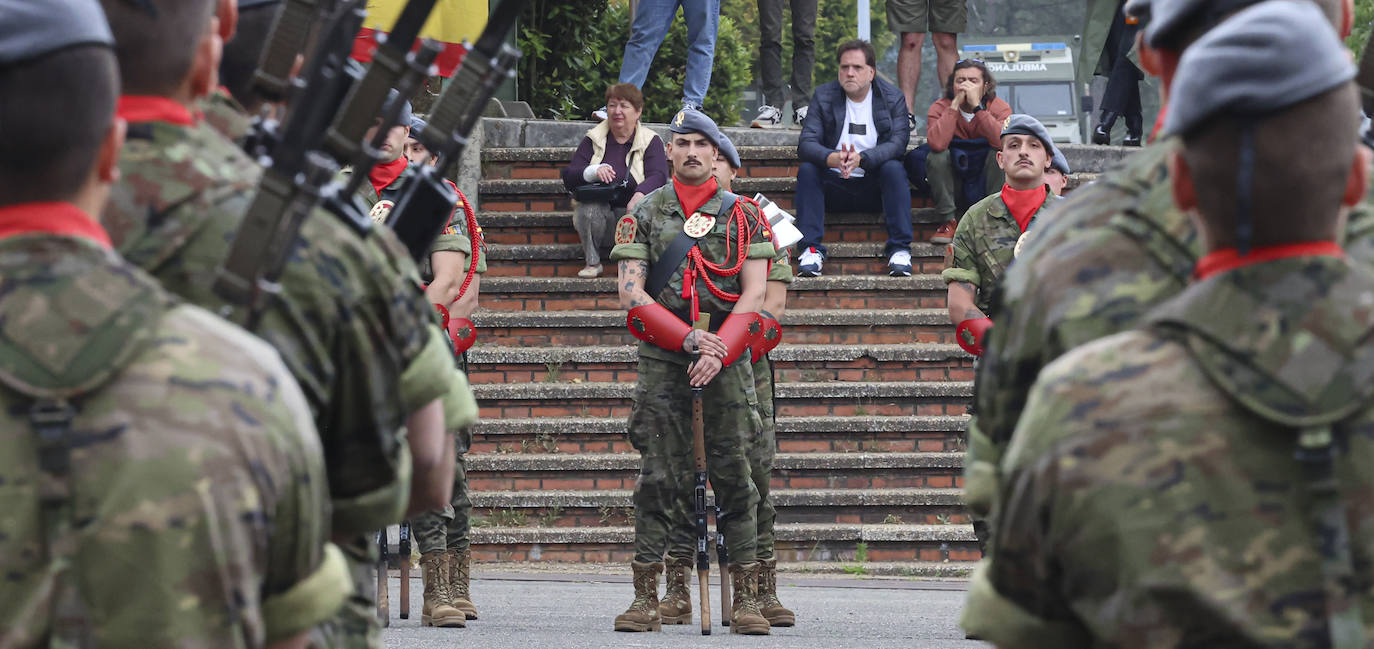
[{"x": 667, "y": 266}]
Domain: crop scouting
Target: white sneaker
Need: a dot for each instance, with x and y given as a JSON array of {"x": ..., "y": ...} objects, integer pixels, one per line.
[
  {"x": 899, "y": 264},
  {"x": 809, "y": 265},
  {"x": 799, "y": 116},
  {"x": 600, "y": 113},
  {"x": 769, "y": 117}
]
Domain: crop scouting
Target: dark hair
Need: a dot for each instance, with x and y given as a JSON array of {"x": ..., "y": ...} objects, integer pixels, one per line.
[
  {"x": 54, "y": 114},
  {"x": 156, "y": 51},
  {"x": 989, "y": 92},
  {"x": 870, "y": 56},
  {"x": 241, "y": 54},
  {"x": 628, "y": 92}
]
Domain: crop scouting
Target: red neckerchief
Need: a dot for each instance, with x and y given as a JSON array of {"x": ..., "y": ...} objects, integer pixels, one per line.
[
  {"x": 51, "y": 218},
  {"x": 1159, "y": 123},
  {"x": 383, "y": 175},
  {"x": 692, "y": 197},
  {"x": 1023, "y": 203},
  {"x": 142, "y": 108},
  {"x": 1231, "y": 259}
]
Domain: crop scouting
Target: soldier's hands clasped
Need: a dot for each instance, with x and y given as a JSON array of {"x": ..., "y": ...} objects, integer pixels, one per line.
[
  {"x": 704, "y": 343},
  {"x": 701, "y": 371}
]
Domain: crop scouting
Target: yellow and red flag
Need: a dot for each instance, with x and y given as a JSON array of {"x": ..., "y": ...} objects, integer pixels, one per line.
[{"x": 451, "y": 23}]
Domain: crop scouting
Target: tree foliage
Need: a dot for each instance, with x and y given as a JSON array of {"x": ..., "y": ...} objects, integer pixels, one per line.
[{"x": 1364, "y": 15}]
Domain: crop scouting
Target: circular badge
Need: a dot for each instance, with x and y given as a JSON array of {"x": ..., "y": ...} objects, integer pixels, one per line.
[
  {"x": 1020, "y": 241},
  {"x": 699, "y": 225},
  {"x": 380, "y": 211}
]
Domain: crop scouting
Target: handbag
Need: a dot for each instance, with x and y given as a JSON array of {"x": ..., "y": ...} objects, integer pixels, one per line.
[{"x": 619, "y": 191}]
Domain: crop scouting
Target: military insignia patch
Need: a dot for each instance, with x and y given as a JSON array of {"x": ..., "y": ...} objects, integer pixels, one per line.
[
  {"x": 681, "y": 115},
  {"x": 1006, "y": 122},
  {"x": 1020, "y": 241},
  {"x": 625, "y": 230},
  {"x": 698, "y": 225},
  {"x": 380, "y": 211}
]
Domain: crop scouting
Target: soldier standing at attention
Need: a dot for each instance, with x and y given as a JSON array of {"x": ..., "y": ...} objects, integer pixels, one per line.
[
  {"x": 163, "y": 483},
  {"x": 1203, "y": 480},
  {"x": 350, "y": 324},
  {"x": 985, "y": 242},
  {"x": 1114, "y": 250},
  {"x": 690, "y": 253},
  {"x": 676, "y": 607}
]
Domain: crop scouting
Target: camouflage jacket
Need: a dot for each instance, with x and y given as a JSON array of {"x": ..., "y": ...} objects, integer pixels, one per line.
[
  {"x": 781, "y": 269},
  {"x": 647, "y": 231},
  {"x": 347, "y": 324},
  {"x": 195, "y": 510},
  {"x": 455, "y": 236},
  {"x": 1152, "y": 497},
  {"x": 226, "y": 115},
  {"x": 984, "y": 245}
]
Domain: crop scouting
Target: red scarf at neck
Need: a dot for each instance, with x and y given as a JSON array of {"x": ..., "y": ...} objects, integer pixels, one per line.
[
  {"x": 1231, "y": 259},
  {"x": 692, "y": 197},
  {"x": 383, "y": 175},
  {"x": 1023, "y": 203},
  {"x": 51, "y": 218},
  {"x": 136, "y": 109}
]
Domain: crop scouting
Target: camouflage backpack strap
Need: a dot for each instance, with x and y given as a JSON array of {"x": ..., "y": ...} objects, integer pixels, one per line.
[{"x": 1316, "y": 454}]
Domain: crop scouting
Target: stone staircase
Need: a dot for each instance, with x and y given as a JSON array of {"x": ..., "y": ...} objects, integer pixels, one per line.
[{"x": 871, "y": 395}]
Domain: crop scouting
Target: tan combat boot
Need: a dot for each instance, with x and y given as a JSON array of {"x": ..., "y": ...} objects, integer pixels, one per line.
[
  {"x": 459, "y": 569},
  {"x": 437, "y": 611},
  {"x": 745, "y": 617},
  {"x": 676, "y": 607},
  {"x": 769, "y": 606},
  {"x": 643, "y": 612}
]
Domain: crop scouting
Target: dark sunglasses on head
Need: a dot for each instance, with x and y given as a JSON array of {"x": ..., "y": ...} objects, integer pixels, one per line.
[{"x": 978, "y": 61}]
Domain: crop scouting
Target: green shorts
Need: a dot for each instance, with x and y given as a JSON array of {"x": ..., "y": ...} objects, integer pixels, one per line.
[{"x": 921, "y": 16}]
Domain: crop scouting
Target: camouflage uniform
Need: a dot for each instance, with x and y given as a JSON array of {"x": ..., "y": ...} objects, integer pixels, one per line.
[
  {"x": 661, "y": 421},
  {"x": 350, "y": 324},
  {"x": 226, "y": 115},
  {"x": 1185, "y": 433},
  {"x": 195, "y": 496},
  {"x": 984, "y": 244}
]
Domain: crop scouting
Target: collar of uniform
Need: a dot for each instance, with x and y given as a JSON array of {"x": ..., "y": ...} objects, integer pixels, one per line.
[
  {"x": 1228, "y": 259},
  {"x": 63, "y": 219},
  {"x": 673, "y": 206},
  {"x": 137, "y": 109}
]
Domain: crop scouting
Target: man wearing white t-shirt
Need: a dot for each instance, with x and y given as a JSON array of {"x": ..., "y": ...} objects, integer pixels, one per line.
[{"x": 851, "y": 149}]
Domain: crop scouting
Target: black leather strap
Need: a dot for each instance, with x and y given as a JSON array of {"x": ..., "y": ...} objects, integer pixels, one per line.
[{"x": 663, "y": 270}]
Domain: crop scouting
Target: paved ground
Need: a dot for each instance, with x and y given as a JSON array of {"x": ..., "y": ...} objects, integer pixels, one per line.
[{"x": 576, "y": 612}]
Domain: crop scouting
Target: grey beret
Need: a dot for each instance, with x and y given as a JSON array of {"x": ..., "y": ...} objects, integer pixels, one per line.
[
  {"x": 1265, "y": 58},
  {"x": 727, "y": 149},
  {"x": 406, "y": 115},
  {"x": 1058, "y": 161},
  {"x": 1170, "y": 19},
  {"x": 249, "y": 4},
  {"x": 417, "y": 126},
  {"x": 1020, "y": 124},
  {"x": 30, "y": 29},
  {"x": 1139, "y": 9},
  {"x": 690, "y": 120}
]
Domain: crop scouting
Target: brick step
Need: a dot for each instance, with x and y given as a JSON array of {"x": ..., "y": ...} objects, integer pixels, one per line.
[
  {"x": 814, "y": 326},
  {"x": 793, "y": 399},
  {"x": 832, "y": 291},
  {"x": 491, "y": 364},
  {"x": 556, "y": 227},
  {"x": 795, "y": 542},
  {"x": 872, "y": 434},
  {"x": 600, "y": 507},
  {"x": 565, "y": 259}
]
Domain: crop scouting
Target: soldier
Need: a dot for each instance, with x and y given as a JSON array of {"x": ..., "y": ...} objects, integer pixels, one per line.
[
  {"x": 454, "y": 278},
  {"x": 676, "y": 607},
  {"x": 120, "y": 528},
  {"x": 1201, "y": 481},
  {"x": 686, "y": 255},
  {"x": 986, "y": 239},
  {"x": 1114, "y": 250},
  {"x": 244, "y": 41},
  {"x": 385, "y": 179},
  {"x": 350, "y": 321}
]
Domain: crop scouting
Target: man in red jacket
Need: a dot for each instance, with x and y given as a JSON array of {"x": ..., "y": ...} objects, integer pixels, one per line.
[{"x": 969, "y": 111}]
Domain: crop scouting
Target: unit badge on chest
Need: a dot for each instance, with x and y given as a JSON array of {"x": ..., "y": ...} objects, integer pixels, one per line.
[
  {"x": 699, "y": 225},
  {"x": 381, "y": 210}
]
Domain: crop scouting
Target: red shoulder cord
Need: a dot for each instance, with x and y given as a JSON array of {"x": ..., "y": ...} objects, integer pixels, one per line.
[
  {"x": 698, "y": 266},
  {"x": 475, "y": 237}
]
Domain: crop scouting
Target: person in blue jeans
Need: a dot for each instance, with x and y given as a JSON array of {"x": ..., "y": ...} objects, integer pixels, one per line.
[
  {"x": 851, "y": 149},
  {"x": 652, "y": 20}
]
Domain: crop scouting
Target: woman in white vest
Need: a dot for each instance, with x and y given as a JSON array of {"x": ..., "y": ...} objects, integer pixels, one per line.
[{"x": 617, "y": 163}]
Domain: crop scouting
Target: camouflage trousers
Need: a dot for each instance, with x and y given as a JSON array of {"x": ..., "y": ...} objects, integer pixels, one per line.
[
  {"x": 683, "y": 538},
  {"x": 661, "y": 430},
  {"x": 448, "y": 528},
  {"x": 356, "y": 625}
]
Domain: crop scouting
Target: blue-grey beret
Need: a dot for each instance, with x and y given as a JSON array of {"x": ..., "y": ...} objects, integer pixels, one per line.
[
  {"x": 689, "y": 120},
  {"x": 406, "y": 115},
  {"x": 1264, "y": 58},
  {"x": 727, "y": 149},
  {"x": 1170, "y": 19},
  {"x": 30, "y": 29},
  {"x": 1141, "y": 10},
  {"x": 1058, "y": 161},
  {"x": 249, "y": 4},
  {"x": 417, "y": 125},
  {"x": 1020, "y": 124}
]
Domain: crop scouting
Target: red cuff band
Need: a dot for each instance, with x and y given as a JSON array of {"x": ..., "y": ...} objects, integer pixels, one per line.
[
  {"x": 739, "y": 330},
  {"x": 970, "y": 334},
  {"x": 463, "y": 333},
  {"x": 443, "y": 314},
  {"x": 655, "y": 324},
  {"x": 769, "y": 336}
]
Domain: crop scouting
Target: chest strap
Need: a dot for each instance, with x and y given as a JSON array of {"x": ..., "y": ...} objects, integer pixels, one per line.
[
  {"x": 1316, "y": 455},
  {"x": 663, "y": 270}
]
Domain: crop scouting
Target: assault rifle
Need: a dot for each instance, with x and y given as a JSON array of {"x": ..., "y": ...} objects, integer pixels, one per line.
[
  {"x": 699, "y": 500},
  {"x": 426, "y": 202},
  {"x": 723, "y": 559}
]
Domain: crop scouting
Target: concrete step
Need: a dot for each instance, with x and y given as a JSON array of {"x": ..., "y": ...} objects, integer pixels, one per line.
[
  {"x": 793, "y": 399},
  {"x": 825, "y": 434},
  {"x": 565, "y": 259},
  {"x": 831, "y": 291},
  {"x": 812, "y": 326},
  {"x": 806, "y": 542}
]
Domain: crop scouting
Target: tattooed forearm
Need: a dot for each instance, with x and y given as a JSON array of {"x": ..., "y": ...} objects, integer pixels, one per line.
[
  {"x": 961, "y": 302},
  {"x": 632, "y": 274}
]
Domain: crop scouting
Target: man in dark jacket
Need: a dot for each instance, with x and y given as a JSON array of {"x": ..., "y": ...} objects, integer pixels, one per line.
[{"x": 851, "y": 149}]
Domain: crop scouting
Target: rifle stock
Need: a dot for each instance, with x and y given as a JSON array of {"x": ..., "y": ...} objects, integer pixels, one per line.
[{"x": 403, "y": 549}]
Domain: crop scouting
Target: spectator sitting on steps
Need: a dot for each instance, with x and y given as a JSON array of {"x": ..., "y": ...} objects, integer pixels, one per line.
[
  {"x": 617, "y": 163},
  {"x": 969, "y": 117},
  {"x": 851, "y": 149}
]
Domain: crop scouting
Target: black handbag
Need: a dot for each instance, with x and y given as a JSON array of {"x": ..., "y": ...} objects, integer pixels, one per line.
[{"x": 619, "y": 191}]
